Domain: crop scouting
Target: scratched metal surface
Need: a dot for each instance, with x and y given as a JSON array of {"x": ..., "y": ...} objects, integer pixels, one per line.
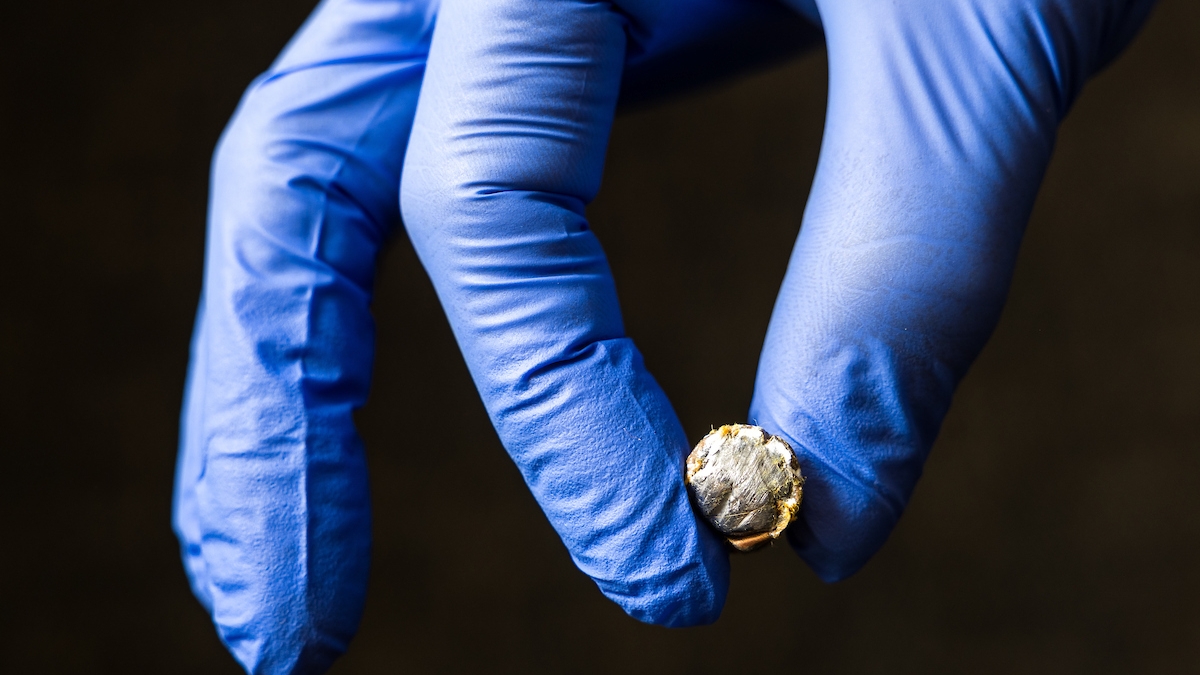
[{"x": 742, "y": 479}]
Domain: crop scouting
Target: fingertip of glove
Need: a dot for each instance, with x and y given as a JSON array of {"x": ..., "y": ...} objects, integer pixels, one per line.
[
  {"x": 833, "y": 566},
  {"x": 845, "y": 525},
  {"x": 304, "y": 652},
  {"x": 691, "y": 595},
  {"x": 697, "y": 607}
]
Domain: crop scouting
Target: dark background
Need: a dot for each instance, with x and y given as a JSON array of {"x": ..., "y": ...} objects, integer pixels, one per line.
[{"x": 1057, "y": 528}]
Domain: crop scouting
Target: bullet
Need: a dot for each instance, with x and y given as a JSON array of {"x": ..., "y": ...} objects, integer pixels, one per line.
[{"x": 746, "y": 483}]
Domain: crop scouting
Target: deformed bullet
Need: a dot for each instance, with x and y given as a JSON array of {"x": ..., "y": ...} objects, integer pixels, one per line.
[{"x": 746, "y": 483}]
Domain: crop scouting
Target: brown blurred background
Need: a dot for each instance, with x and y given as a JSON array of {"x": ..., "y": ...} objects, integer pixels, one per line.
[{"x": 1057, "y": 528}]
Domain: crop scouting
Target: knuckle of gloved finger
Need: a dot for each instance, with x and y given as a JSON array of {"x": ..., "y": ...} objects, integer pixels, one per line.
[
  {"x": 1060, "y": 44},
  {"x": 1027, "y": 53},
  {"x": 1068, "y": 41},
  {"x": 496, "y": 222},
  {"x": 286, "y": 123},
  {"x": 274, "y": 172},
  {"x": 244, "y": 174}
]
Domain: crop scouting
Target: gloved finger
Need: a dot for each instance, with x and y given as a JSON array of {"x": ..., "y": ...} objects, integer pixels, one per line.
[
  {"x": 271, "y": 503},
  {"x": 306, "y": 180},
  {"x": 507, "y": 149},
  {"x": 941, "y": 119}
]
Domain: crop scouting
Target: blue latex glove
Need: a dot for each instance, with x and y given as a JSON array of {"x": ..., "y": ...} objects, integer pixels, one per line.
[
  {"x": 271, "y": 503},
  {"x": 942, "y": 115},
  {"x": 941, "y": 118}
]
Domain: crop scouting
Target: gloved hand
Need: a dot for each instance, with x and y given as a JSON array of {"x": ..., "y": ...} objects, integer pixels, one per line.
[
  {"x": 271, "y": 505},
  {"x": 941, "y": 119},
  {"x": 942, "y": 115}
]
